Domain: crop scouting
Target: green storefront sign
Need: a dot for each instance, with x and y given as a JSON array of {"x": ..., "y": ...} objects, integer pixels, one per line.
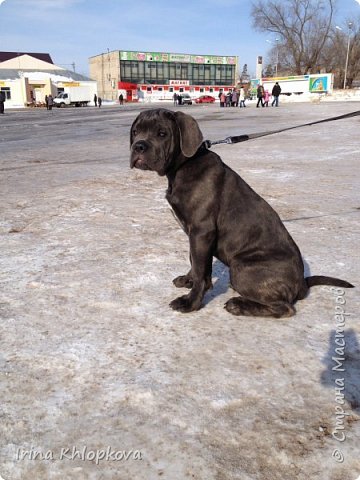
[{"x": 176, "y": 57}]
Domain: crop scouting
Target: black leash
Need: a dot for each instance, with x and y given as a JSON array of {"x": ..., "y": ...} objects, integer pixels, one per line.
[{"x": 244, "y": 138}]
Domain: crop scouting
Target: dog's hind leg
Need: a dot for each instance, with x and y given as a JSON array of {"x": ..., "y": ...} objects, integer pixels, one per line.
[
  {"x": 186, "y": 281},
  {"x": 246, "y": 307},
  {"x": 183, "y": 281},
  {"x": 266, "y": 288}
]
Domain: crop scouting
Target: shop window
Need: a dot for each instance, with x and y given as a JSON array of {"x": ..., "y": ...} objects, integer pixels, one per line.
[{"x": 7, "y": 92}]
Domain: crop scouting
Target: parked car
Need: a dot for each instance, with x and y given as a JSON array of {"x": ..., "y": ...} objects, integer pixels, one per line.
[
  {"x": 205, "y": 99},
  {"x": 186, "y": 99}
]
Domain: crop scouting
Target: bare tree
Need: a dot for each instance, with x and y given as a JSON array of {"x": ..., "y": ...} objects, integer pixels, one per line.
[
  {"x": 302, "y": 26},
  {"x": 269, "y": 71},
  {"x": 335, "y": 52},
  {"x": 354, "y": 58}
]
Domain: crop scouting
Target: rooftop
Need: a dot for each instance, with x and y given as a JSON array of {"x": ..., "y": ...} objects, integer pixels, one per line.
[{"x": 45, "y": 57}]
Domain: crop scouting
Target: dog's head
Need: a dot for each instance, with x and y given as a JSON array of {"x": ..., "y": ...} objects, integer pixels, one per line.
[{"x": 159, "y": 136}]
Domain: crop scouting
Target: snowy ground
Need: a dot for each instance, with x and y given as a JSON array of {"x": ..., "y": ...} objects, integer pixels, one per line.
[{"x": 95, "y": 366}]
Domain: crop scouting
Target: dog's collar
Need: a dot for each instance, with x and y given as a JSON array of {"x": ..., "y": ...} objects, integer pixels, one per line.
[{"x": 202, "y": 150}]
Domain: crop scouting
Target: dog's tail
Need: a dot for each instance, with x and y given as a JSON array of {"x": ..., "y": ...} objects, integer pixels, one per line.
[{"x": 321, "y": 280}]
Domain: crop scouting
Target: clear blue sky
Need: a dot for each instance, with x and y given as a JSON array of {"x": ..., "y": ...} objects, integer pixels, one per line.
[{"x": 74, "y": 30}]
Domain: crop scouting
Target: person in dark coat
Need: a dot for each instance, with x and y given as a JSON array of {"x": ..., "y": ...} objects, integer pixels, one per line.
[
  {"x": 2, "y": 101},
  {"x": 99, "y": 101},
  {"x": 95, "y": 100},
  {"x": 228, "y": 99},
  {"x": 276, "y": 93},
  {"x": 50, "y": 102},
  {"x": 47, "y": 102},
  {"x": 260, "y": 93},
  {"x": 121, "y": 99},
  {"x": 234, "y": 98}
]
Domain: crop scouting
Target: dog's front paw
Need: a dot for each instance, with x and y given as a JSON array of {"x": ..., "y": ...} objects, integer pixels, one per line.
[
  {"x": 184, "y": 304},
  {"x": 183, "y": 281}
]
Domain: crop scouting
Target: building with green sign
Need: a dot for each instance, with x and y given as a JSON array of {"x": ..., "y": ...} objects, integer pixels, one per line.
[{"x": 158, "y": 75}]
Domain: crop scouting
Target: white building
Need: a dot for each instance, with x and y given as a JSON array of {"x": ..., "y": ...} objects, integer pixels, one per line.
[{"x": 26, "y": 78}]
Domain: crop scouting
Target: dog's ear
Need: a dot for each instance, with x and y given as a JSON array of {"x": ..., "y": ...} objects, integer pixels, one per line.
[{"x": 190, "y": 134}]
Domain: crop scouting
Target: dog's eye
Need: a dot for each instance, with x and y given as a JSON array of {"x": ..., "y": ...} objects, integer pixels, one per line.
[
  {"x": 162, "y": 133},
  {"x": 134, "y": 132}
]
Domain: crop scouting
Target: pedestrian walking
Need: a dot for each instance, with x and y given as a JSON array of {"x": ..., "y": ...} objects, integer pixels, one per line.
[
  {"x": 242, "y": 97},
  {"x": 121, "y": 99},
  {"x": 95, "y": 100},
  {"x": 276, "y": 93},
  {"x": 175, "y": 98},
  {"x": 47, "y": 102},
  {"x": 50, "y": 102},
  {"x": 228, "y": 99},
  {"x": 2, "y": 101},
  {"x": 99, "y": 101},
  {"x": 222, "y": 99},
  {"x": 266, "y": 98},
  {"x": 260, "y": 95},
  {"x": 234, "y": 98}
]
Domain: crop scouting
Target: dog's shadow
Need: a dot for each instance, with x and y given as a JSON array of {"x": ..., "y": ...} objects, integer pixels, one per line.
[
  {"x": 307, "y": 272},
  {"x": 342, "y": 372},
  {"x": 220, "y": 279}
]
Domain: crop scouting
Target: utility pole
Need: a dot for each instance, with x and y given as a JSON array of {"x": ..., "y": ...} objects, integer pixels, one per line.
[
  {"x": 67, "y": 65},
  {"x": 347, "y": 51},
  {"x": 347, "y": 54}
]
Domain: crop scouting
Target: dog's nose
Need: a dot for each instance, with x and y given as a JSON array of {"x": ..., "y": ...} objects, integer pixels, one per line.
[{"x": 140, "y": 146}]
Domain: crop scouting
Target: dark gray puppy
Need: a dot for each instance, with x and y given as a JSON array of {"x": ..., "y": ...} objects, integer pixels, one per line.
[{"x": 223, "y": 218}]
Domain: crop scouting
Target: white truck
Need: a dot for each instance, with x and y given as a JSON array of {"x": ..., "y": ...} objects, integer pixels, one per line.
[{"x": 80, "y": 96}]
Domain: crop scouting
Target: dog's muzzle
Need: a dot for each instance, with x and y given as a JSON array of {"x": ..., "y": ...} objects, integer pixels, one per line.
[{"x": 139, "y": 148}]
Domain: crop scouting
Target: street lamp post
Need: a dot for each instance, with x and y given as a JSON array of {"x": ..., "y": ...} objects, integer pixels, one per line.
[{"x": 347, "y": 51}]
